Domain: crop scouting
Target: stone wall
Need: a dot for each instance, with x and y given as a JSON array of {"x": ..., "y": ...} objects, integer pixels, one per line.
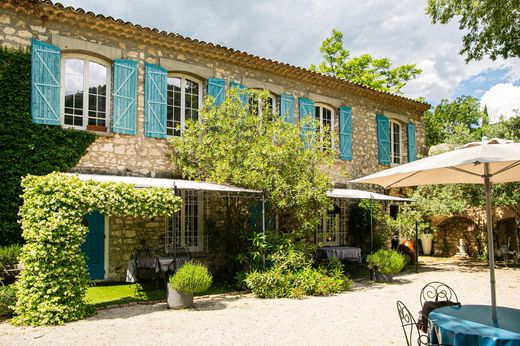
[
  {"x": 126, "y": 234},
  {"x": 447, "y": 237},
  {"x": 140, "y": 155}
]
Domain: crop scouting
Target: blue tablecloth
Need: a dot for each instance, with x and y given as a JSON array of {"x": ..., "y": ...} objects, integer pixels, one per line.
[{"x": 472, "y": 325}]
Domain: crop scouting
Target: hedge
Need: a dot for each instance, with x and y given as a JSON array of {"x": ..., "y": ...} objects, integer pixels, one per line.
[{"x": 27, "y": 148}]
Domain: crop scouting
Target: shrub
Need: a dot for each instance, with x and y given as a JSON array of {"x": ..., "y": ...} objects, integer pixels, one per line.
[
  {"x": 7, "y": 300},
  {"x": 387, "y": 261},
  {"x": 292, "y": 276},
  {"x": 9, "y": 256},
  {"x": 191, "y": 278}
]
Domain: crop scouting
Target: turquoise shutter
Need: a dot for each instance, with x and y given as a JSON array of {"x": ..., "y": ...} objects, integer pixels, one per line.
[
  {"x": 217, "y": 89},
  {"x": 287, "y": 108},
  {"x": 125, "y": 96},
  {"x": 412, "y": 151},
  {"x": 345, "y": 133},
  {"x": 306, "y": 110},
  {"x": 45, "y": 83},
  {"x": 383, "y": 139},
  {"x": 242, "y": 92},
  {"x": 155, "y": 86}
]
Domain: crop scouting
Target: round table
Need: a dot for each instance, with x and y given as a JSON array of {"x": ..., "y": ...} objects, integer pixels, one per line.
[{"x": 472, "y": 325}]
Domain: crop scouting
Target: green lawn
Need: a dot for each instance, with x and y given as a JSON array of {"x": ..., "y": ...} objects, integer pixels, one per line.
[{"x": 115, "y": 293}]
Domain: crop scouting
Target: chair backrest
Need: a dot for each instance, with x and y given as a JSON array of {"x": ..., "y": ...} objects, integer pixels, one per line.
[
  {"x": 437, "y": 291},
  {"x": 410, "y": 328}
]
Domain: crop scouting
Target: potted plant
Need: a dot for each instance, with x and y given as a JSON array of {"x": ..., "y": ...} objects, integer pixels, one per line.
[
  {"x": 191, "y": 278},
  {"x": 426, "y": 243},
  {"x": 385, "y": 263}
]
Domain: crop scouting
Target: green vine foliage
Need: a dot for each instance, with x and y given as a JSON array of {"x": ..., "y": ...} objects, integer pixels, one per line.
[
  {"x": 27, "y": 148},
  {"x": 52, "y": 286}
]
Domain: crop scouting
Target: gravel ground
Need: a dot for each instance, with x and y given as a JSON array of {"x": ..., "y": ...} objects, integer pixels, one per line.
[{"x": 364, "y": 316}]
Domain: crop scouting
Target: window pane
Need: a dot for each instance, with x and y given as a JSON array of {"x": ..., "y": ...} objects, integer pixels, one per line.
[
  {"x": 173, "y": 120},
  {"x": 74, "y": 69},
  {"x": 396, "y": 143},
  {"x": 97, "y": 81}
]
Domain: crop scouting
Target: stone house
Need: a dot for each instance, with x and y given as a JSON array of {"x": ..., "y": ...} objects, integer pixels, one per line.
[{"x": 134, "y": 87}]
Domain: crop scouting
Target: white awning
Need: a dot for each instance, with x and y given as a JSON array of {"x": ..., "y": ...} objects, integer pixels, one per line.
[
  {"x": 360, "y": 194},
  {"x": 141, "y": 182}
]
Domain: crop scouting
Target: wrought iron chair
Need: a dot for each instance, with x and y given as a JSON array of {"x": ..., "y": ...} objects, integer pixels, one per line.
[
  {"x": 435, "y": 295},
  {"x": 437, "y": 291},
  {"x": 411, "y": 329}
]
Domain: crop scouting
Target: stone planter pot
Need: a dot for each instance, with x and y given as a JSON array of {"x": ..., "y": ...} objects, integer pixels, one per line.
[
  {"x": 178, "y": 300},
  {"x": 426, "y": 244},
  {"x": 380, "y": 277}
]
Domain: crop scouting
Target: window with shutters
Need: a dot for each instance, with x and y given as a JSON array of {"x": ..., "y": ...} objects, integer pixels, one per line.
[
  {"x": 324, "y": 116},
  {"x": 257, "y": 105},
  {"x": 85, "y": 92},
  {"x": 187, "y": 225},
  {"x": 395, "y": 142},
  {"x": 184, "y": 102}
]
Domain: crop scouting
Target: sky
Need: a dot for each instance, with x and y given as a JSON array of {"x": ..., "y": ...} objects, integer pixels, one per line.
[{"x": 291, "y": 31}]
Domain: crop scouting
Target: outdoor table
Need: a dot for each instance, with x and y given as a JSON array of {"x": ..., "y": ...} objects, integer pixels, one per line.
[
  {"x": 343, "y": 252},
  {"x": 166, "y": 263},
  {"x": 473, "y": 325}
]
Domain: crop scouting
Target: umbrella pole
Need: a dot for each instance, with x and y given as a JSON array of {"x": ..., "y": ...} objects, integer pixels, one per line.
[
  {"x": 371, "y": 234},
  {"x": 491, "y": 252}
]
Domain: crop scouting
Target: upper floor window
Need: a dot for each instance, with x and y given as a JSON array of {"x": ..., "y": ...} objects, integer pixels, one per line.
[
  {"x": 257, "y": 105},
  {"x": 395, "y": 142},
  {"x": 85, "y": 101},
  {"x": 184, "y": 102},
  {"x": 325, "y": 118}
]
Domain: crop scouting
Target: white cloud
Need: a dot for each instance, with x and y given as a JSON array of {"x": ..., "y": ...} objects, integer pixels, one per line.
[
  {"x": 501, "y": 100},
  {"x": 292, "y": 30}
]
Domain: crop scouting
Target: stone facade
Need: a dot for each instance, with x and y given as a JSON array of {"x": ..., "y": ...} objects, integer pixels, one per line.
[
  {"x": 448, "y": 235},
  {"x": 77, "y": 32}
]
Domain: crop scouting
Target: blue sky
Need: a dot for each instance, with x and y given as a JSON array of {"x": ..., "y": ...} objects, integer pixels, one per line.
[{"x": 292, "y": 30}]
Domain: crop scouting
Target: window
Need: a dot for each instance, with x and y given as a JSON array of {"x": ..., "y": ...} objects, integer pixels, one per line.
[
  {"x": 184, "y": 102},
  {"x": 325, "y": 118},
  {"x": 328, "y": 230},
  {"x": 187, "y": 224},
  {"x": 256, "y": 104},
  {"x": 395, "y": 142},
  {"x": 85, "y": 102}
]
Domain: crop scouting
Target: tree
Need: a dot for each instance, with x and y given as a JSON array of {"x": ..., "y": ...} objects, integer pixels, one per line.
[
  {"x": 457, "y": 121},
  {"x": 231, "y": 144},
  {"x": 364, "y": 69},
  {"x": 492, "y": 27}
]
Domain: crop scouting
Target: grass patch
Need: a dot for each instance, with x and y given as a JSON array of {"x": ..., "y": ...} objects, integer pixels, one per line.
[{"x": 103, "y": 294}]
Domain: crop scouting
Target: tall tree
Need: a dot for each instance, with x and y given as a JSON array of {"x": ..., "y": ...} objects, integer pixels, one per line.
[
  {"x": 364, "y": 69},
  {"x": 492, "y": 27},
  {"x": 457, "y": 121}
]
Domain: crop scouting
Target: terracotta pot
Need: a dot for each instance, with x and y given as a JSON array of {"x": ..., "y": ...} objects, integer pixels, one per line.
[{"x": 408, "y": 248}]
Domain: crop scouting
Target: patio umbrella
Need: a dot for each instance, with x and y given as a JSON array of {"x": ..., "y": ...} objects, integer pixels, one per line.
[{"x": 487, "y": 162}]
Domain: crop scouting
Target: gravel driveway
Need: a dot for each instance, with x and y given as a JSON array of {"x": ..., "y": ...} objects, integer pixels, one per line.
[{"x": 364, "y": 316}]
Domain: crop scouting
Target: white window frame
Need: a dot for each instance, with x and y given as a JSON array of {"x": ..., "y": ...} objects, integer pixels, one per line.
[
  {"x": 391, "y": 123},
  {"x": 325, "y": 226},
  {"x": 183, "y": 78},
  {"x": 170, "y": 224},
  {"x": 322, "y": 106},
  {"x": 272, "y": 96},
  {"x": 85, "y": 57}
]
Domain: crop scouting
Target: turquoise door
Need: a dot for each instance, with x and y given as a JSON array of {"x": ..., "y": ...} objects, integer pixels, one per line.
[{"x": 94, "y": 245}]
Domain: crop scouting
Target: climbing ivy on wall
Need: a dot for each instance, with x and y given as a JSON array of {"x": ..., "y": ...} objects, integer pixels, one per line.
[
  {"x": 51, "y": 288},
  {"x": 27, "y": 148}
]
